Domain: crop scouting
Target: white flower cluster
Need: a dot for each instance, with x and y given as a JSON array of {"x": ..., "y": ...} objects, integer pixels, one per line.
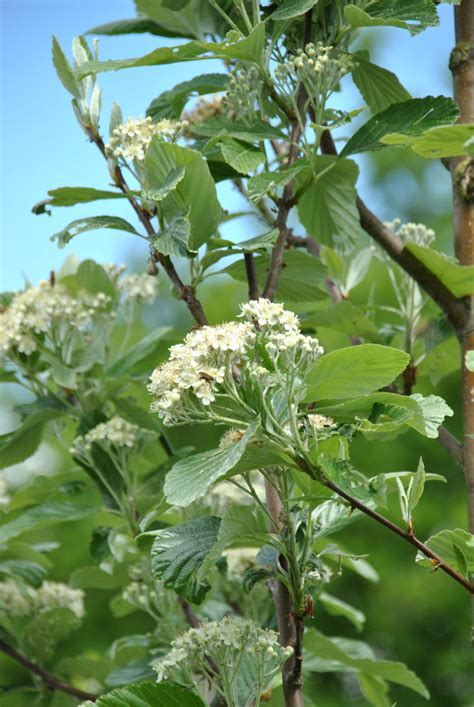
[
  {"x": 279, "y": 331},
  {"x": 142, "y": 596},
  {"x": 412, "y": 232},
  {"x": 316, "y": 66},
  {"x": 224, "y": 641},
  {"x": 319, "y": 422},
  {"x": 138, "y": 288},
  {"x": 131, "y": 139},
  {"x": 37, "y": 310},
  {"x": 195, "y": 369},
  {"x": 21, "y": 601},
  {"x": 204, "y": 366},
  {"x": 116, "y": 431},
  {"x": 56, "y": 595},
  {"x": 239, "y": 560}
]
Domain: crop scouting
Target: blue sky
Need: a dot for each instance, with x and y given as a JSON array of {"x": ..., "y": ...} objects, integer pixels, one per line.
[{"x": 42, "y": 146}]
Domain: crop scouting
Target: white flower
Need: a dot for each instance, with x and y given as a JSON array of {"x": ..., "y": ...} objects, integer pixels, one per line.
[
  {"x": 16, "y": 601},
  {"x": 37, "y": 310},
  {"x": 131, "y": 139},
  {"x": 319, "y": 422},
  {"x": 19, "y": 601},
  {"x": 56, "y": 595},
  {"x": 4, "y": 497},
  {"x": 115, "y": 431},
  {"x": 205, "y": 365},
  {"x": 239, "y": 560},
  {"x": 412, "y": 232},
  {"x": 136, "y": 287},
  {"x": 224, "y": 641}
]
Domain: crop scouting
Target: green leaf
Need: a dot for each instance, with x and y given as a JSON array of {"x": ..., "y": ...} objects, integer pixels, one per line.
[
  {"x": 262, "y": 184},
  {"x": 448, "y": 544},
  {"x": 148, "y": 694},
  {"x": 196, "y": 191},
  {"x": 319, "y": 645},
  {"x": 337, "y": 607},
  {"x": 433, "y": 411},
  {"x": 170, "y": 183},
  {"x": 243, "y": 158},
  {"x": 197, "y": 19},
  {"x": 46, "y": 630},
  {"x": 354, "y": 371},
  {"x": 248, "y": 49},
  {"x": 170, "y": 104},
  {"x": 416, "y": 488},
  {"x": 136, "y": 25},
  {"x": 91, "y": 223},
  {"x": 301, "y": 280},
  {"x": 445, "y": 141},
  {"x": 42, "y": 516},
  {"x": 143, "y": 348},
  {"x": 378, "y": 86},
  {"x": 347, "y": 318},
  {"x": 413, "y": 15},
  {"x": 190, "y": 478},
  {"x": 441, "y": 361},
  {"x": 292, "y": 8},
  {"x": 69, "y": 196},
  {"x": 174, "y": 239},
  {"x": 64, "y": 70},
  {"x": 90, "y": 277},
  {"x": 30, "y": 572},
  {"x": 411, "y": 117},
  {"x": 457, "y": 278},
  {"x": 358, "y": 268},
  {"x": 374, "y": 690},
  {"x": 240, "y": 525},
  {"x": 92, "y": 577},
  {"x": 264, "y": 242},
  {"x": 179, "y": 551},
  {"x": 328, "y": 206},
  {"x": 221, "y": 126},
  {"x": 23, "y": 442}
]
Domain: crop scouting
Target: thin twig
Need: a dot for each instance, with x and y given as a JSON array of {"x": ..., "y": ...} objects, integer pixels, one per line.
[
  {"x": 50, "y": 680},
  {"x": 185, "y": 292},
  {"x": 452, "y": 445},
  {"x": 287, "y": 201},
  {"x": 409, "y": 536}
]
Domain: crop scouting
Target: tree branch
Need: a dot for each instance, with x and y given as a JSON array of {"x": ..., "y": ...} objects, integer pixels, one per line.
[
  {"x": 50, "y": 680},
  {"x": 254, "y": 291},
  {"x": 286, "y": 202},
  {"x": 185, "y": 292},
  {"x": 454, "y": 308},
  {"x": 409, "y": 536}
]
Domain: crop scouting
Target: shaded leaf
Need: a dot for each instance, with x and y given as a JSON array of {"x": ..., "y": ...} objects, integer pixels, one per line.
[
  {"x": 292, "y": 8},
  {"x": 347, "y": 318},
  {"x": 23, "y": 442},
  {"x": 445, "y": 141},
  {"x": 413, "y": 15},
  {"x": 190, "y": 478},
  {"x": 196, "y": 191},
  {"x": 170, "y": 104},
  {"x": 41, "y": 516},
  {"x": 243, "y": 158},
  {"x": 262, "y": 184},
  {"x": 448, "y": 544},
  {"x": 319, "y": 645},
  {"x": 411, "y": 117},
  {"x": 457, "y": 278},
  {"x": 178, "y": 552},
  {"x": 174, "y": 238},
  {"x": 327, "y": 208},
  {"x": 149, "y": 694},
  {"x": 138, "y": 352},
  {"x": 91, "y": 223}
]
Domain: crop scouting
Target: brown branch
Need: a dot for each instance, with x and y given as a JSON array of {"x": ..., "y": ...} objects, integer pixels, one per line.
[
  {"x": 462, "y": 171},
  {"x": 287, "y": 627},
  {"x": 286, "y": 202},
  {"x": 408, "y": 535},
  {"x": 50, "y": 680},
  {"x": 254, "y": 291},
  {"x": 185, "y": 292},
  {"x": 452, "y": 445},
  {"x": 455, "y": 309}
]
